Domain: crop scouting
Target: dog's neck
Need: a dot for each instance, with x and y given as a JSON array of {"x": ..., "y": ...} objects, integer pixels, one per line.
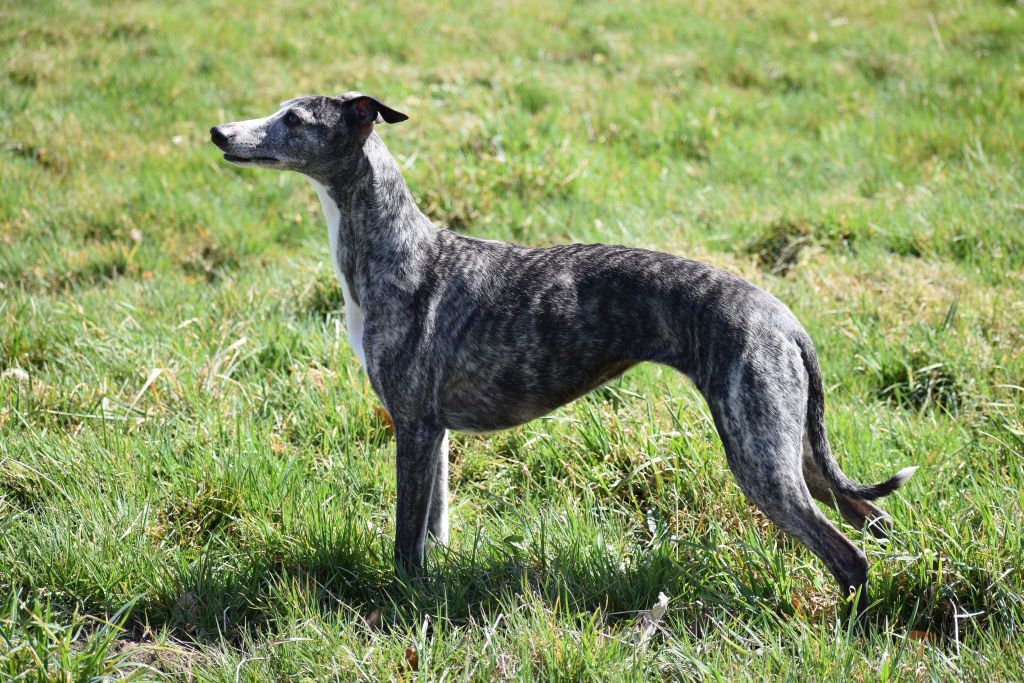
[{"x": 378, "y": 236}]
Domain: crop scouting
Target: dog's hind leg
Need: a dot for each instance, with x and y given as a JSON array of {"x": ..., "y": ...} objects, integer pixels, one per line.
[
  {"x": 795, "y": 513},
  {"x": 437, "y": 523},
  {"x": 417, "y": 448},
  {"x": 777, "y": 488},
  {"x": 763, "y": 439},
  {"x": 860, "y": 514}
]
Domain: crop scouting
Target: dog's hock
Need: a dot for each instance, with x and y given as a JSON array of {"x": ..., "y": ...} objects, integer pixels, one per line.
[{"x": 362, "y": 110}]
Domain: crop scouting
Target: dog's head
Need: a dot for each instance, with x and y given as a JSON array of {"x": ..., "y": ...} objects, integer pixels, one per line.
[{"x": 317, "y": 136}]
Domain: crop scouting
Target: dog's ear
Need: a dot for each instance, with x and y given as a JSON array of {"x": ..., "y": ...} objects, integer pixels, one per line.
[{"x": 361, "y": 111}]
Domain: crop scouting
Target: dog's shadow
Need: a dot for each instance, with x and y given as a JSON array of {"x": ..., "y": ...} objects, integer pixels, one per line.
[
  {"x": 351, "y": 582},
  {"x": 354, "y": 582}
]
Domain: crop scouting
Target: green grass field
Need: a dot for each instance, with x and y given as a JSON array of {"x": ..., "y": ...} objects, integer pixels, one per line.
[{"x": 195, "y": 485}]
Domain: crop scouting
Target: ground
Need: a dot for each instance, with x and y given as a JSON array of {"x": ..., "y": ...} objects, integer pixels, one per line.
[{"x": 194, "y": 480}]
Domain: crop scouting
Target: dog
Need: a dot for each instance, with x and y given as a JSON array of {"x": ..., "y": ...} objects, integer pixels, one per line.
[{"x": 472, "y": 335}]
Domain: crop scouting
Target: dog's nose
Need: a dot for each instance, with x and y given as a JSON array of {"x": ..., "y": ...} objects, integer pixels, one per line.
[{"x": 218, "y": 136}]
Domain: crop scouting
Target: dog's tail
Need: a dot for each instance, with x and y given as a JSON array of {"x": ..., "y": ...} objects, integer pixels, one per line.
[{"x": 819, "y": 441}]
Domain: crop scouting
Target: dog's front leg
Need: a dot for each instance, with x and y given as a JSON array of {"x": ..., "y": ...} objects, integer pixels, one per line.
[
  {"x": 417, "y": 451},
  {"x": 437, "y": 522}
]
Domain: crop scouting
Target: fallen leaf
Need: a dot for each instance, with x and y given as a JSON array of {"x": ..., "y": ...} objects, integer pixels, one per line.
[
  {"x": 188, "y": 603},
  {"x": 372, "y": 619},
  {"x": 15, "y": 373},
  {"x": 797, "y": 606},
  {"x": 649, "y": 619},
  {"x": 383, "y": 414},
  {"x": 412, "y": 658}
]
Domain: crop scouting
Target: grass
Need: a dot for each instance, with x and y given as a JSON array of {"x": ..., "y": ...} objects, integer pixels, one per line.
[{"x": 195, "y": 485}]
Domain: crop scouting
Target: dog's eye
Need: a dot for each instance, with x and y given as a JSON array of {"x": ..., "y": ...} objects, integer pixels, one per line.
[{"x": 291, "y": 119}]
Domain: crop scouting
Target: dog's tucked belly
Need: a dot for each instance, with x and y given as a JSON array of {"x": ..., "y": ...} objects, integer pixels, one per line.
[{"x": 492, "y": 401}]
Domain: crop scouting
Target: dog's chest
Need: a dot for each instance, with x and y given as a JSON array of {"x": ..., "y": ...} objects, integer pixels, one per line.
[{"x": 353, "y": 314}]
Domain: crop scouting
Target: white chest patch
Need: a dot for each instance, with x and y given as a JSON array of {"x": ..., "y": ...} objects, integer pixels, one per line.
[{"x": 353, "y": 314}]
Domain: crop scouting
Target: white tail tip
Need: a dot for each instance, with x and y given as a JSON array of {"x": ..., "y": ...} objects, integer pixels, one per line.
[{"x": 904, "y": 474}]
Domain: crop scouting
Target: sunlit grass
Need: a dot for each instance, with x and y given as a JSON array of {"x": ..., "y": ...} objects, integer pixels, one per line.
[{"x": 193, "y": 476}]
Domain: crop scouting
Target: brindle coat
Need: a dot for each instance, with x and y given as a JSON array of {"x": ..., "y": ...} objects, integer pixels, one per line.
[{"x": 475, "y": 335}]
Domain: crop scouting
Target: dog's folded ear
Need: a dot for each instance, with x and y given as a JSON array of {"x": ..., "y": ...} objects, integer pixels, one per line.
[{"x": 361, "y": 110}]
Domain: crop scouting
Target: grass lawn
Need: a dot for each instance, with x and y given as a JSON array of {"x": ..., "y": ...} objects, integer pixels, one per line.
[{"x": 195, "y": 484}]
